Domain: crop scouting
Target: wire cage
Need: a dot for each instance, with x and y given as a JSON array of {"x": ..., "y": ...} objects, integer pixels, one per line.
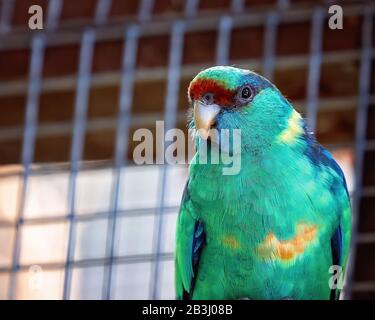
[{"x": 78, "y": 219}]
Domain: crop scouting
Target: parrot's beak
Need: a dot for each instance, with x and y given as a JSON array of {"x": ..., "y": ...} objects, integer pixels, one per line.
[{"x": 204, "y": 117}]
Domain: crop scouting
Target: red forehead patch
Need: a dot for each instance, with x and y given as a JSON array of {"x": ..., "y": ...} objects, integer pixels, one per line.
[{"x": 222, "y": 96}]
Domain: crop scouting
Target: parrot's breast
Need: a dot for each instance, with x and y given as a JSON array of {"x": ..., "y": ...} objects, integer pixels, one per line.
[{"x": 266, "y": 228}]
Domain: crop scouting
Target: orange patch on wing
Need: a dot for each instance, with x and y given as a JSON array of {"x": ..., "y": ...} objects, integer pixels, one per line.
[
  {"x": 286, "y": 250},
  {"x": 231, "y": 242}
]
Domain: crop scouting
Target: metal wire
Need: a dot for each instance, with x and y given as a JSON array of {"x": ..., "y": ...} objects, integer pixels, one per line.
[
  {"x": 270, "y": 40},
  {"x": 32, "y": 107},
  {"x": 360, "y": 138},
  {"x": 283, "y": 4},
  {"x": 145, "y": 10},
  {"x": 81, "y": 105},
  {"x": 102, "y": 11},
  {"x": 54, "y": 11},
  {"x": 237, "y": 6},
  {"x": 175, "y": 58},
  {"x": 119, "y": 260},
  {"x": 163, "y": 27},
  {"x": 6, "y": 15},
  {"x": 223, "y": 41},
  {"x": 123, "y": 125},
  {"x": 191, "y": 7},
  {"x": 314, "y": 67}
]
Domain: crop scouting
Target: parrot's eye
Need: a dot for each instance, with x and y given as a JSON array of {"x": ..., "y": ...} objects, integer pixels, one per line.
[
  {"x": 208, "y": 98},
  {"x": 246, "y": 93}
]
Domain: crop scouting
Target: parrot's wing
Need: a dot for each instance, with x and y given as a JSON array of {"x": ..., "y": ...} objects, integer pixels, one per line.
[
  {"x": 337, "y": 247},
  {"x": 340, "y": 240},
  {"x": 190, "y": 239}
]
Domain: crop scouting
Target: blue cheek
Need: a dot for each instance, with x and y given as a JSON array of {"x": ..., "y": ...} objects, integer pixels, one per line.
[{"x": 226, "y": 122}]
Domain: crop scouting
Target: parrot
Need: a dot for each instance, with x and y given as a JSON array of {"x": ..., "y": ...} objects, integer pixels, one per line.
[{"x": 280, "y": 228}]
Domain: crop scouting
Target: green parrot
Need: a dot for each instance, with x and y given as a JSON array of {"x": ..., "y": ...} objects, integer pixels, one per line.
[{"x": 277, "y": 229}]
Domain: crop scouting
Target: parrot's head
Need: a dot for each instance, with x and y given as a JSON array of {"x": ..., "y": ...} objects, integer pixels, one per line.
[{"x": 230, "y": 98}]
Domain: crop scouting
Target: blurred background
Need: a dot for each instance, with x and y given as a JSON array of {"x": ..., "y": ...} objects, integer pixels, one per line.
[{"x": 78, "y": 219}]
